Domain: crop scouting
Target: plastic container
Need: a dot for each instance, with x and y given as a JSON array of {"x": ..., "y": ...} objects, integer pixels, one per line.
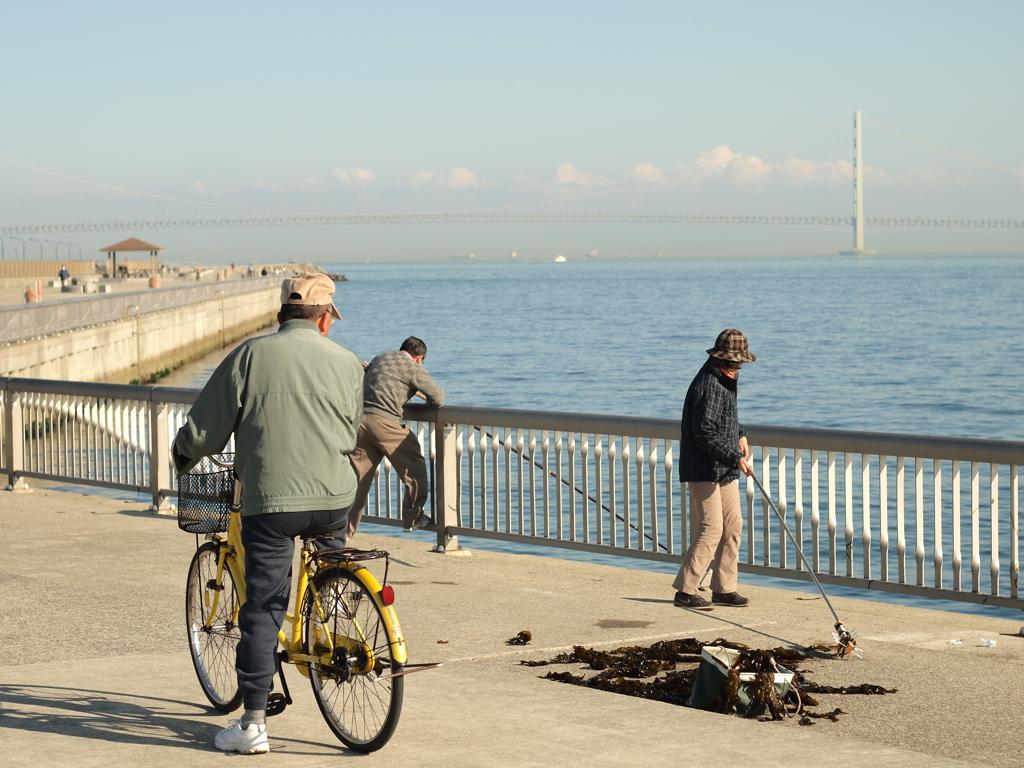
[{"x": 715, "y": 661}]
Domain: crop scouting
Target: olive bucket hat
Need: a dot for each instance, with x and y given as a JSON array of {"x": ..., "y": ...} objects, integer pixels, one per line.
[{"x": 732, "y": 345}]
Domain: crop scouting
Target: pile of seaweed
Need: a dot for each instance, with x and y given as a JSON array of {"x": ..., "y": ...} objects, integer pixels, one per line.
[{"x": 665, "y": 671}]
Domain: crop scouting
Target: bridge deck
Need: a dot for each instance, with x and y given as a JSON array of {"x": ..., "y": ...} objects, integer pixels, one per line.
[{"x": 95, "y": 670}]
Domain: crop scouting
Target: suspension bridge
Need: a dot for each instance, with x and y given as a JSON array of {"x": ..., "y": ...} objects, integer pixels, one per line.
[{"x": 857, "y": 221}]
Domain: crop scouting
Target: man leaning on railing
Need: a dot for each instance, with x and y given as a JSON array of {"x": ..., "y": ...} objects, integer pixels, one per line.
[{"x": 392, "y": 378}]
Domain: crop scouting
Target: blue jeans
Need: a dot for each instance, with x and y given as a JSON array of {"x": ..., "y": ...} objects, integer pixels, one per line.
[{"x": 269, "y": 542}]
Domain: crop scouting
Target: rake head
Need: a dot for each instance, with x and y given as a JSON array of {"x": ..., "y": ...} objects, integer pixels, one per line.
[{"x": 846, "y": 642}]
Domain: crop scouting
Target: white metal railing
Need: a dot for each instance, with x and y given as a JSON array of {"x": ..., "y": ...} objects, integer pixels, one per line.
[
  {"x": 31, "y": 320},
  {"x": 929, "y": 516}
]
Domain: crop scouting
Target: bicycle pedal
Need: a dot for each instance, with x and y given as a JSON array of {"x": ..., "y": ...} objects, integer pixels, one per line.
[{"x": 276, "y": 704}]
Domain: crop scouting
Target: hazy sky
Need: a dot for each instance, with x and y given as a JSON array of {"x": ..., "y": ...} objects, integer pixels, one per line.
[{"x": 410, "y": 107}]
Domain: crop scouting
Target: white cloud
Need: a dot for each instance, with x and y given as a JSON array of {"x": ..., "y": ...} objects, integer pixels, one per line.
[
  {"x": 197, "y": 186},
  {"x": 454, "y": 178},
  {"x": 646, "y": 172},
  {"x": 351, "y": 177},
  {"x": 708, "y": 163},
  {"x": 269, "y": 186},
  {"x": 459, "y": 178},
  {"x": 805, "y": 173},
  {"x": 567, "y": 176},
  {"x": 748, "y": 171}
]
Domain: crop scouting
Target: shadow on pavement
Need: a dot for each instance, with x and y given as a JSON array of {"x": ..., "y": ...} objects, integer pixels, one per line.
[
  {"x": 130, "y": 719},
  {"x": 106, "y": 716}
]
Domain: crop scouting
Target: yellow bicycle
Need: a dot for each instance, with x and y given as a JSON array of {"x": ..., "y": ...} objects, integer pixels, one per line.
[{"x": 343, "y": 635}]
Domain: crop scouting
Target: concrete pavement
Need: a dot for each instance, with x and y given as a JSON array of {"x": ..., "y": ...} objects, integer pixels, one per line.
[{"x": 94, "y": 667}]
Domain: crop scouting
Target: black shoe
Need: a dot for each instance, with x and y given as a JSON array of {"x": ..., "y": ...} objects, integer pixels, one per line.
[
  {"x": 694, "y": 602},
  {"x": 734, "y": 599},
  {"x": 423, "y": 521}
]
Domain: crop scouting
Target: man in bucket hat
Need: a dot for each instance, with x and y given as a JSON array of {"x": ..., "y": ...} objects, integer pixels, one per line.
[
  {"x": 712, "y": 452},
  {"x": 293, "y": 400}
]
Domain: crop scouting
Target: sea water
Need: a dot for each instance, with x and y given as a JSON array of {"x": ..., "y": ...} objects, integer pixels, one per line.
[{"x": 930, "y": 345}]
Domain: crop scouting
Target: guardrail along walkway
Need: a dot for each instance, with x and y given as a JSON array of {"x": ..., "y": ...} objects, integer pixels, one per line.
[{"x": 927, "y": 516}]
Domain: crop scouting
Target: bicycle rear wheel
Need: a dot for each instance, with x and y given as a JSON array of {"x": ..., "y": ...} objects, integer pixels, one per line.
[
  {"x": 361, "y": 708},
  {"x": 211, "y": 618}
]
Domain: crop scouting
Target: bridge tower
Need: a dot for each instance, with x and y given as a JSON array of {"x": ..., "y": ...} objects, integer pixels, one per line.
[{"x": 858, "y": 192}]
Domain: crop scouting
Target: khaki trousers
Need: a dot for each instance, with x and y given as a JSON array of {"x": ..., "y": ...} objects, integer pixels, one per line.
[
  {"x": 720, "y": 526},
  {"x": 379, "y": 437}
]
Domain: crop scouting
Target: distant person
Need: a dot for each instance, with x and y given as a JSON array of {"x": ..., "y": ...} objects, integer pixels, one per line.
[
  {"x": 263, "y": 272},
  {"x": 64, "y": 276},
  {"x": 391, "y": 379},
  {"x": 713, "y": 450}
]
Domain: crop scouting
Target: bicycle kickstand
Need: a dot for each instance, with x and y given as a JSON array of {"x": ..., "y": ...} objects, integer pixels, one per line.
[{"x": 277, "y": 702}]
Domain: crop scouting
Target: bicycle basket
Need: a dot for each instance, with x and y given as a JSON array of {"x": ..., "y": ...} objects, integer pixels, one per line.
[{"x": 204, "y": 496}]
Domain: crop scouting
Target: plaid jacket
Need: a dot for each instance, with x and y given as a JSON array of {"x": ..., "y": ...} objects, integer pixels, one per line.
[
  {"x": 709, "y": 440},
  {"x": 391, "y": 379}
]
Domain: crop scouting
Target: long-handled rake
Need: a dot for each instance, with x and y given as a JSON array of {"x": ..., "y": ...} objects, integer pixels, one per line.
[{"x": 846, "y": 639}]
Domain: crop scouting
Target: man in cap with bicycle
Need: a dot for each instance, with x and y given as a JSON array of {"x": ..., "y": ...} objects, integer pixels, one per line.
[
  {"x": 293, "y": 401},
  {"x": 713, "y": 450}
]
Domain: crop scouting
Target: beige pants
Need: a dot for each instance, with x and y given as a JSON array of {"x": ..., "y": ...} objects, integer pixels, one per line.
[
  {"x": 720, "y": 526},
  {"x": 379, "y": 437}
]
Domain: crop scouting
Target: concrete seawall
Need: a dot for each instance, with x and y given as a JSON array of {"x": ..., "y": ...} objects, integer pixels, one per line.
[{"x": 121, "y": 350}]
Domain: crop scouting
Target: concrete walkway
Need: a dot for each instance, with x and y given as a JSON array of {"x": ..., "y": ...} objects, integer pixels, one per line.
[
  {"x": 95, "y": 670},
  {"x": 16, "y": 296}
]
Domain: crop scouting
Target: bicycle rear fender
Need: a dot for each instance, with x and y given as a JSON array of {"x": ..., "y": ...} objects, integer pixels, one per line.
[{"x": 395, "y": 638}]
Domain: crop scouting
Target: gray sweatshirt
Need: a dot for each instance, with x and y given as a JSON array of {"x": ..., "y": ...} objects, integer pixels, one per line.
[{"x": 391, "y": 380}]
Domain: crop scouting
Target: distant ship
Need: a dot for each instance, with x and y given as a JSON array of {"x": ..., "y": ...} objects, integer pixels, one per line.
[{"x": 559, "y": 258}]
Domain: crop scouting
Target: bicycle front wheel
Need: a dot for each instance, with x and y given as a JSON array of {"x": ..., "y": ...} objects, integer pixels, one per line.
[
  {"x": 357, "y": 699},
  {"x": 211, "y": 617}
]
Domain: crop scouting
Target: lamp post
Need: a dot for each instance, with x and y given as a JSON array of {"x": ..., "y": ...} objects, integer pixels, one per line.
[
  {"x": 79, "y": 250},
  {"x": 22, "y": 246},
  {"x": 56, "y": 253},
  {"x": 40, "y": 247}
]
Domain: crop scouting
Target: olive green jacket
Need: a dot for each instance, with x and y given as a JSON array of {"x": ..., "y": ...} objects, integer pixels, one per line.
[{"x": 293, "y": 400}]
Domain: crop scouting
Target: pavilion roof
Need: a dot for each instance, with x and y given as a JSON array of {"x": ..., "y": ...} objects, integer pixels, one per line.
[{"x": 131, "y": 244}]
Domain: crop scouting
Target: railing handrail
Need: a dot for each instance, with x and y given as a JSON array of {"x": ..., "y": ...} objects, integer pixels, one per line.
[
  {"x": 807, "y": 438},
  {"x": 270, "y": 280},
  {"x": 896, "y": 517},
  {"x": 139, "y": 392}
]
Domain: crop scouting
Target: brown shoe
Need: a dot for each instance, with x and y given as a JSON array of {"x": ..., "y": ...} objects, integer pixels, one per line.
[{"x": 694, "y": 602}]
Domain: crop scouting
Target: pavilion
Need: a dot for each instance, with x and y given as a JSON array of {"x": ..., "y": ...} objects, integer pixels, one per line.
[{"x": 132, "y": 244}]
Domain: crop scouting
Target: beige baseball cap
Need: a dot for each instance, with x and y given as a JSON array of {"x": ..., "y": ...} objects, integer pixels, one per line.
[{"x": 309, "y": 290}]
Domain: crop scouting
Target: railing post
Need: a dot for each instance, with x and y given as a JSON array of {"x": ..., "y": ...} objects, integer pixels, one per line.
[
  {"x": 447, "y": 487},
  {"x": 14, "y": 440},
  {"x": 159, "y": 460}
]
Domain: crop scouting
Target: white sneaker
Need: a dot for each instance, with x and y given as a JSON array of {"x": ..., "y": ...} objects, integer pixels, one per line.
[{"x": 244, "y": 741}]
